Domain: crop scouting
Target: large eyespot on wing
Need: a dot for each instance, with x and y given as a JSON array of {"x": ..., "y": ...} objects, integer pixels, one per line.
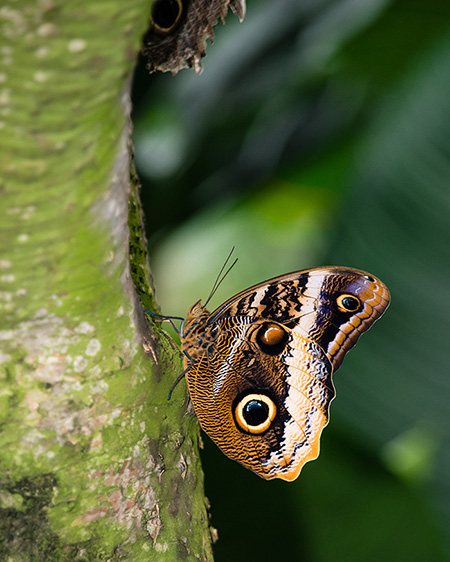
[
  {"x": 254, "y": 413},
  {"x": 263, "y": 396},
  {"x": 271, "y": 338},
  {"x": 243, "y": 419},
  {"x": 348, "y": 303},
  {"x": 166, "y": 16}
]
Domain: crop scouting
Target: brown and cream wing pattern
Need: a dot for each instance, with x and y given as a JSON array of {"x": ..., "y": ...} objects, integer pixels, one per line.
[
  {"x": 259, "y": 368},
  {"x": 307, "y": 301}
]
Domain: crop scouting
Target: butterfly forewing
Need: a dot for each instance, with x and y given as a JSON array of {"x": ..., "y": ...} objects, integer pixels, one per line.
[
  {"x": 260, "y": 366},
  {"x": 306, "y": 301}
]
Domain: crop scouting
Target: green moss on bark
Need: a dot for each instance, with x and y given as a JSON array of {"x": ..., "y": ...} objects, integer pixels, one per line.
[
  {"x": 95, "y": 464},
  {"x": 24, "y": 530}
]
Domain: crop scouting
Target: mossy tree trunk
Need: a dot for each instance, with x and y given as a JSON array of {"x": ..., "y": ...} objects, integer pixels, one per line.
[{"x": 95, "y": 464}]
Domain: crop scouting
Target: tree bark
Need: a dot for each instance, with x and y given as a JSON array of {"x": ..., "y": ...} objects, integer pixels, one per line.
[{"x": 95, "y": 463}]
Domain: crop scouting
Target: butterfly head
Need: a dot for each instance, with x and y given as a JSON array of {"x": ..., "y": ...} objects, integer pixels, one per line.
[
  {"x": 194, "y": 338},
  {"x": 196, "y": 310}
]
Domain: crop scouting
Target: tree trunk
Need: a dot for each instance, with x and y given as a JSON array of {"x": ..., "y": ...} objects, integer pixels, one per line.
[{"x": 95, "y": 463}]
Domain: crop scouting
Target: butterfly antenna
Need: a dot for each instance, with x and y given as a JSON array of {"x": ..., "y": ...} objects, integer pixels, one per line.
[
  {"x": 163, "y": 317},
  {"x": 221, "y": 277}
]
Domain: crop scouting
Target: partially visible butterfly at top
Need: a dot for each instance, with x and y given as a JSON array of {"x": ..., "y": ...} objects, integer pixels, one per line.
[
  {"x": 259, "y": 368},
  {"x": 179, "y": 29}
]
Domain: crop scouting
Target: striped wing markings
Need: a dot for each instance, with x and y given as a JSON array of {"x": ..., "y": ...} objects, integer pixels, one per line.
[
  {"x": 310, "y": 284},
  {"x": 253, "y": 438},
  {"x": 312, "y": 378},
  {"x": 309, "y": 418},
  {"x": 349, "y": 330},
  {"x": 258, "y": 291},
  {"x": 298, "y": 408},
  {"x": 307, "y": 403},
  {"x": 338, "y": 337},
  {"x": 195, "y": 384}
]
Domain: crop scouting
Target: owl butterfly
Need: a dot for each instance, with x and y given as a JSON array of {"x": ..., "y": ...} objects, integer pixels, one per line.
[
  {"x": 259, "y": 368},
  {"x": 179, "y": 29}
]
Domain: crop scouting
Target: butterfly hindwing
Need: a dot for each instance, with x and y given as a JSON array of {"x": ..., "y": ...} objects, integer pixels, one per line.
[{"x": 260, "y": 366}]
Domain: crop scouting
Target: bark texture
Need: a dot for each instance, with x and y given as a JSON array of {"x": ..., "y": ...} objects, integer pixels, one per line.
[{"x": 95, "y": 464}]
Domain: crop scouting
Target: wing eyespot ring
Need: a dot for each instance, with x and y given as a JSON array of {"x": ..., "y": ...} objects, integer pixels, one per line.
[
  {"x": 348, "y": 303},
  {"x": 166, "y": 15},
  {"x": 272, "y": 338},
  {"x": 254, "y": 413}
]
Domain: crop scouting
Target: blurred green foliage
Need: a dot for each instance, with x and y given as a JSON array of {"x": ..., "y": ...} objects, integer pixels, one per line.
[{"x": 319, "y": 133}]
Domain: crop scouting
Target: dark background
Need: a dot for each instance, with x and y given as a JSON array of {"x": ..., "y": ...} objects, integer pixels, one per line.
[{"x": 319, "y": 133}]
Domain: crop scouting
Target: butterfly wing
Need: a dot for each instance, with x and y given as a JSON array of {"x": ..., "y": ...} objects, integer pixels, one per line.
[
  {"x": 297, "y": 382},
  {"x": 307, "y": 301},
  {"x": 179, "y": 31},
  {"x": 260, "y": 381}
]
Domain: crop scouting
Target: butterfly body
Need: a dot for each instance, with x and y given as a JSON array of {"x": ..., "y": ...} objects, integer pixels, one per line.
[{"x": 259, "y": 367}]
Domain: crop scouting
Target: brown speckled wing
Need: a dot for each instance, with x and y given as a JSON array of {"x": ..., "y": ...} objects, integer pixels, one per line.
[
  {"x": 260, "y": 366},
  {"x": 169, "y": 48}
]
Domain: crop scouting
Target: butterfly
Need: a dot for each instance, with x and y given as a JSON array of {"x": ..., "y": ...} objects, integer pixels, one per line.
[
  {"x": 259, "y": 368},
  {"x": 179, "y": 29}
]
